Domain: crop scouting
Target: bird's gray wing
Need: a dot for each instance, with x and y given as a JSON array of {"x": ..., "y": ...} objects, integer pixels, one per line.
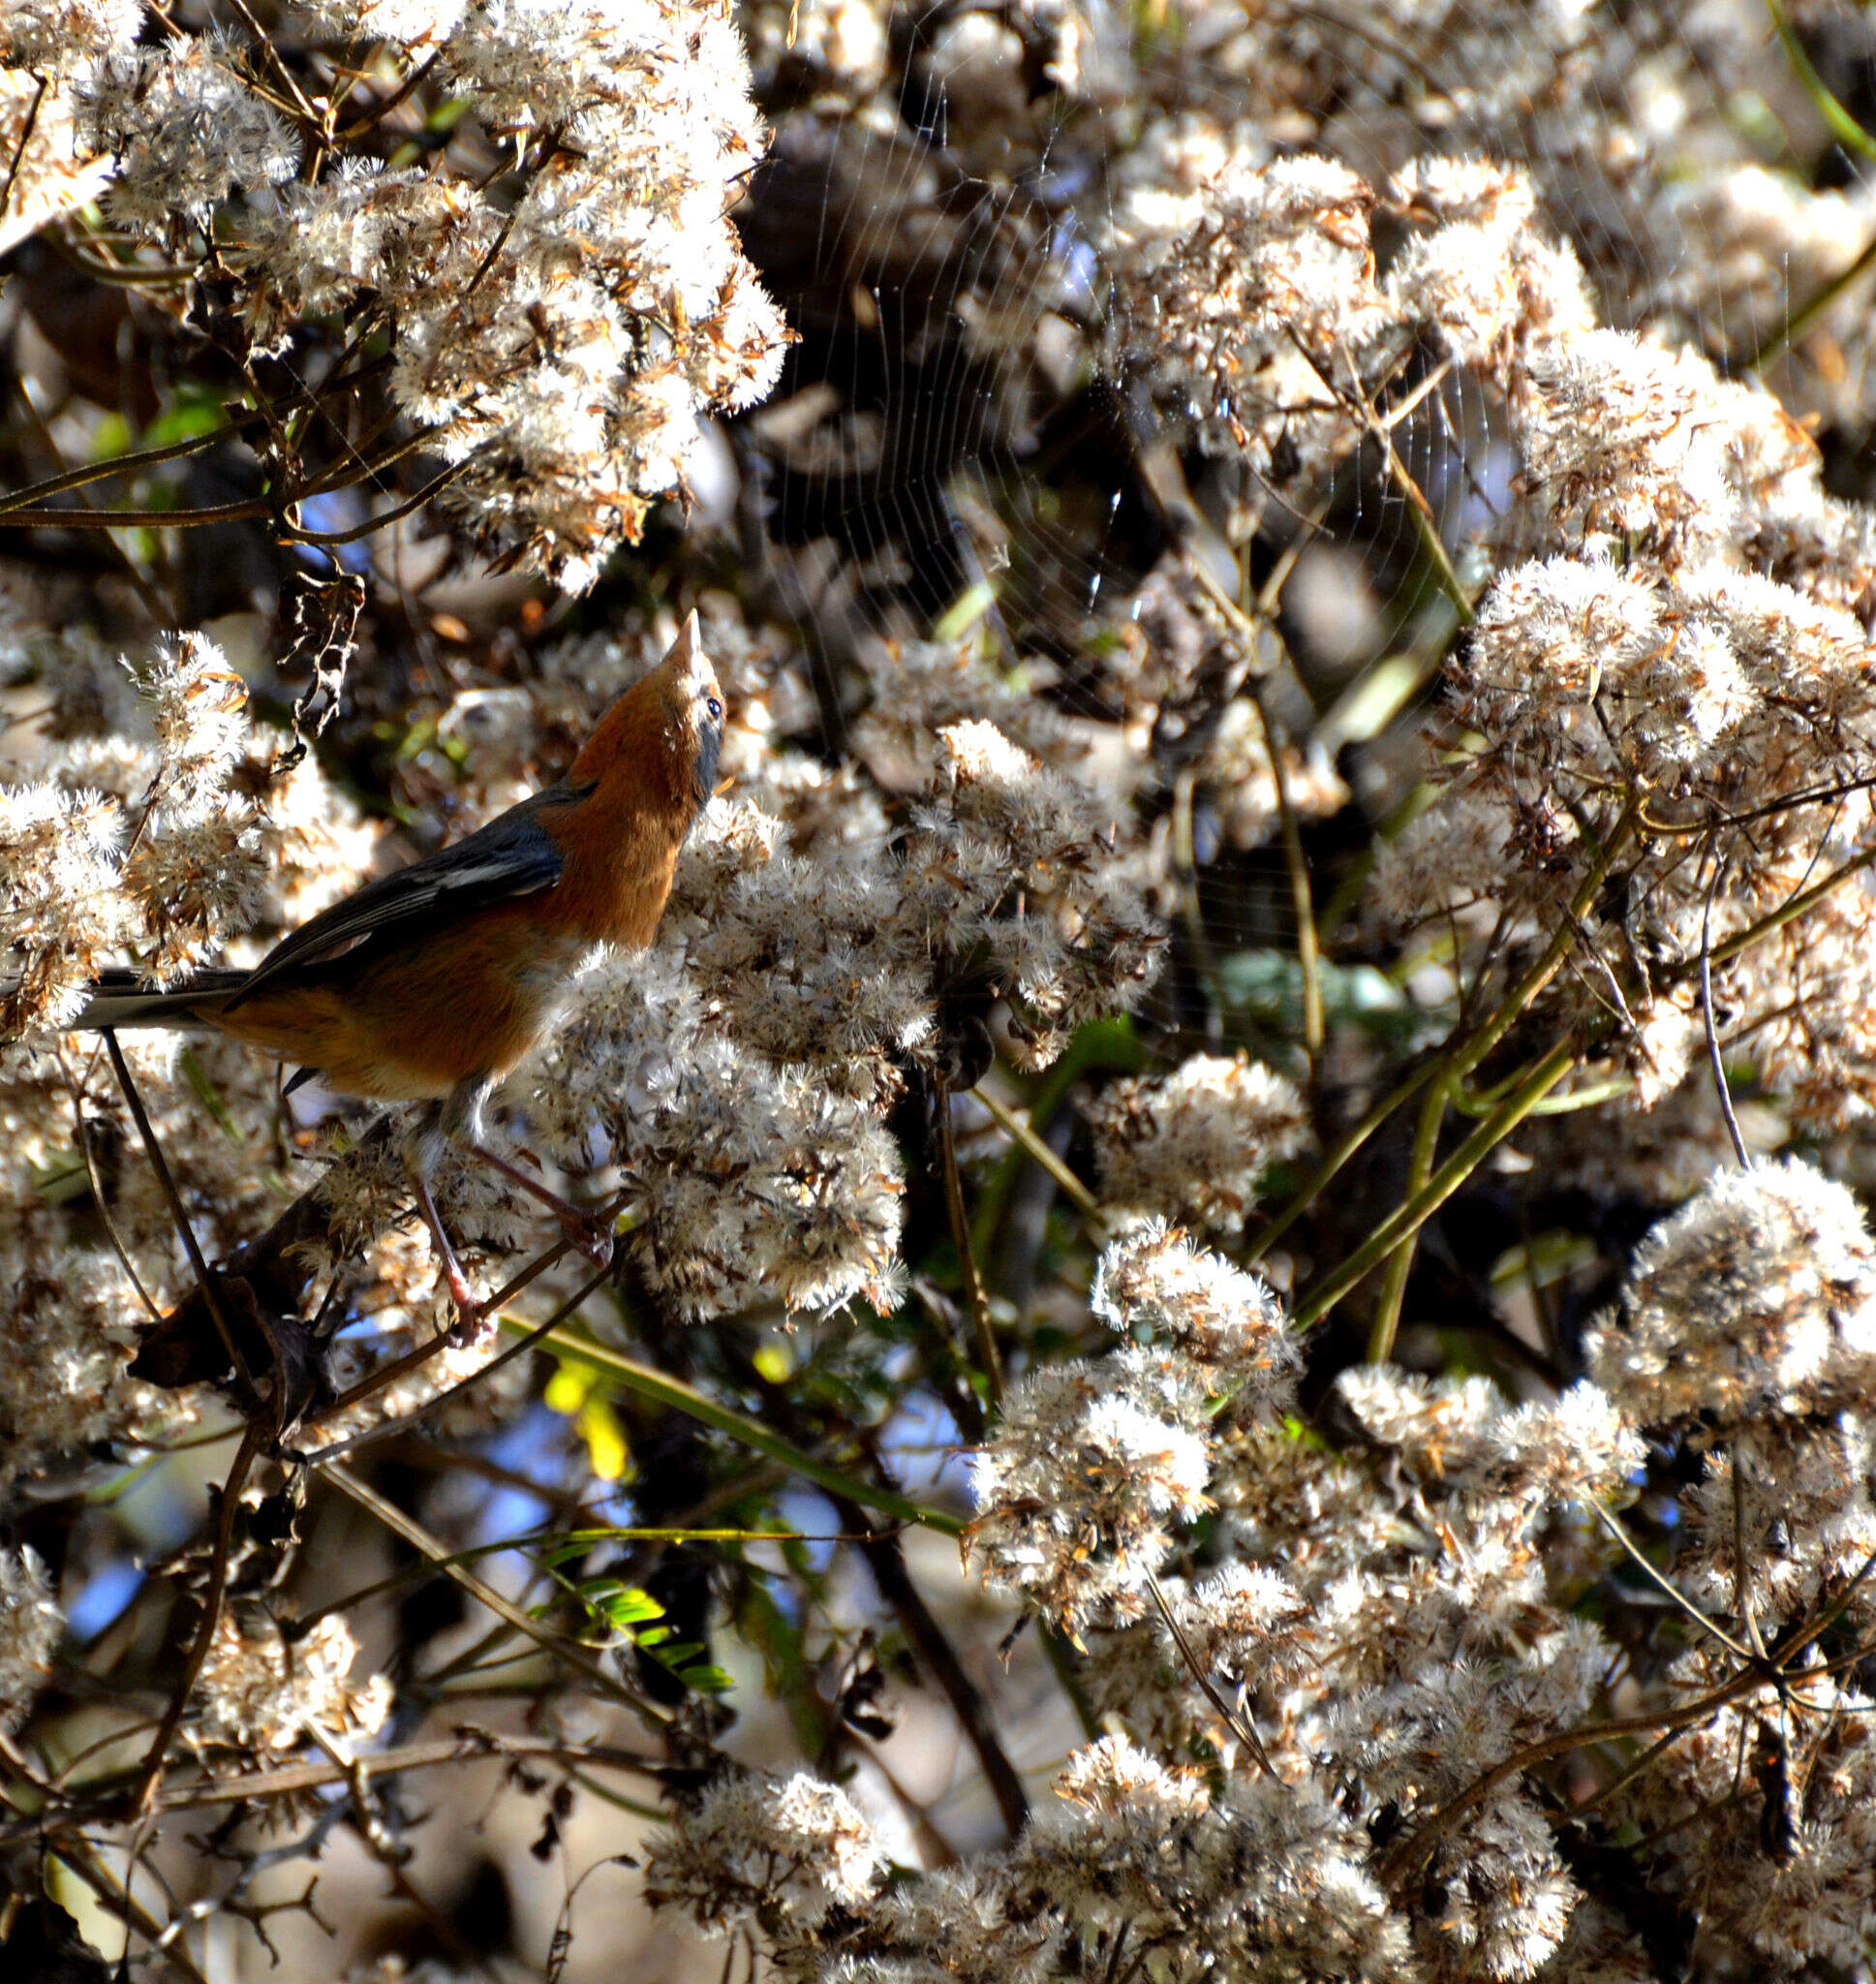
[{"x": 512, "y": 855}]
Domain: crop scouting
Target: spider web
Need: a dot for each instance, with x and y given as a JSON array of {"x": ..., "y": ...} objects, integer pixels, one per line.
[
  {"x": 914, "y": 432},
  {"x": 922, "y": 468}
]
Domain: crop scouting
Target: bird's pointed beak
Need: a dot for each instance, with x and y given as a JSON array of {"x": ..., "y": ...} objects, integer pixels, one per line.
[{"x": 686, "y": 661}]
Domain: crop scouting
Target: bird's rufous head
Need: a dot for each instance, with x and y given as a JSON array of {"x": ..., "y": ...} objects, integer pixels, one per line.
[{"x": 667, "y": 728}]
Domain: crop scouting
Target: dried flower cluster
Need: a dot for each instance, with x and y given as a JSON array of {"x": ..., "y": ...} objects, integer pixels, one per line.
[
  {"x": 1195, "y": 1144},
  {"x": 1096, "y": 1464},
  {"x": 262, "y": 1692},
  {"x": 559, "y": 303},
  {"x": 29, "y": 1632},
  {"x": 1269, "y": 1033},
  {"x": 1684, "y": 669},
  {"x": 1395, "y": 1623}
]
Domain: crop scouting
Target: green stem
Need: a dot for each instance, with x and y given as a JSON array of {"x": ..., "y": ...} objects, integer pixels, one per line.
[
  {"x": 1308, "y": 952},
  {"x": 1103, "y": 1043},
  {"x": 1016, "y": 1124},
  {"x": 1463, "y": 1060},
  {"x": 1428, "y": 531},
  {"x": 1843, "y": 127},
  {"x": 1590, "y": 1098},
  {"x": 655, "y": 1385},
  {"x": 1339, "y": 1155},
  {"x": 1394, "y": 1289},
  {"x": 1799, "y": 321},
  {"x": 1422, "y": 1205},
  {"x": 1789, "y": 913},
  {"x": 1457, "y": 1063}
]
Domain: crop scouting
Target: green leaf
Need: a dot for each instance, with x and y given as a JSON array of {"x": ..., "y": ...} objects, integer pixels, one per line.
[
  {"x": 210, "y": 1095},
  {"x": 63, "y": 1176},
  {"x": 193, "y": 412},
  {"x": 631, "y": 1605}
]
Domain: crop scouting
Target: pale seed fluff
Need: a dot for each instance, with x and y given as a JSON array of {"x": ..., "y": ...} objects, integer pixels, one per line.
[
  {"x": 1091, "y": 1466},
  {"x": 1230, "y": 304},
  {"x": 1626, "y": 439},
  {"x": 1257, "y": 1881},
  {"x": 59, "y": 903},
  {"x": 261, "y": 1690},
  {"x": 784, "y": 1849},
  {"x": 30, "y": 1625},
  {"x": 1775, "y": 1855},
  {"x": 756, "y": 1180},
  {"x": 199, "y": 708},
  {"x": 1155, "y": 1280},
  {"x": 70, "y": 1330},
  {"x": 1245, "y": 1625},
  {"x": 53, "y": 168},
  {"x": 1463, "y": 1434},
  {"x": 1757, "y": 1297},
  {"x": 1196, "y": 1143},
  {"x": 184, "y": 129},
  {"x": 1483, "y": 278},
  {"x": 416, "y": 25},
  {"x": 56, "y": 35}
]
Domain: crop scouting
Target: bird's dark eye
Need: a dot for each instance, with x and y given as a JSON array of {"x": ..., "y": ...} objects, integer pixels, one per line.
[{"x": 714, "y": 708}]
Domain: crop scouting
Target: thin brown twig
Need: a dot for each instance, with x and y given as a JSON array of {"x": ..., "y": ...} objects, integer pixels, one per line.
[
  {"x": 420, "y": 1539},
  {"x": 961, "y": 1238},
  {"x": 405, "y": 90},
  {"x": 206, "y": 1279},
  {"x": 158, "y": 609},
  {"x": 1354, "y": 402},
  {"x": 1771, "y": 1671},
  {"x": 1787, "y": 911},
  {"x": 287, "y": 77},
  {"x": 1016, "y": 1124},
  {"x": 99, "y": 1196},
  {"x": 368, "y": 1826},
  {"x": 1239, "y": 1725},
  {"x": 293, "y": 1780},
  {"x": 254, "y": 509},
  {"x": 233, "y": 429},
  {"x": 885, "y": 1555},
  {"x": 1715, "y": 1059},
  {"x": 252, "y": 1442},
  {"x": 26, "y": 129},
  {"x": 378, "y": 523},
  {"x": 80, "y": 1858},
  {"x": 1681, "y": 1603},
  {"x": 1309, "y": 956},
  {"x": 521, "y": 1345}
]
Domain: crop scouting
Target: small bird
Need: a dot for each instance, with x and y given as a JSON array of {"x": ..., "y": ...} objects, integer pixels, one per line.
[{"x": 432, "y": 983}]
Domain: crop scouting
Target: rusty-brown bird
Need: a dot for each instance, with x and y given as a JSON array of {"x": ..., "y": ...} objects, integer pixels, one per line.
[{"x": 431, "y": 985}]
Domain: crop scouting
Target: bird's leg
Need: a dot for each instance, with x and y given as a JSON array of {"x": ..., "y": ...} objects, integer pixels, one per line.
[
  {"x": 422, "y": 1150},
  {"x": 473, "y": 1320},
  {"x": 458, "y": 1121},
  {"x": 590, "y": 1232}
]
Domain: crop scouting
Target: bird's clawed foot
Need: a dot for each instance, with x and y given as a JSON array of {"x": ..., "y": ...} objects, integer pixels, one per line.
[
  {"x": 590, "y": 1231},
  {"x": 475, "y": 1322},
  {"x": 475, "y": 1316}
]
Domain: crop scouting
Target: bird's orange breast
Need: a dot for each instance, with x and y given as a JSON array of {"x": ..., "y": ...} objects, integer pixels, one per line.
[
  {"x": 619, "y": 856},
  {"x": 410, "y": 1025}
]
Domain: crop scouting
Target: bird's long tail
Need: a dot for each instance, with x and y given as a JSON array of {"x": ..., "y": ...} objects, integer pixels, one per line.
[{"x": 116, "y": 1002}]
